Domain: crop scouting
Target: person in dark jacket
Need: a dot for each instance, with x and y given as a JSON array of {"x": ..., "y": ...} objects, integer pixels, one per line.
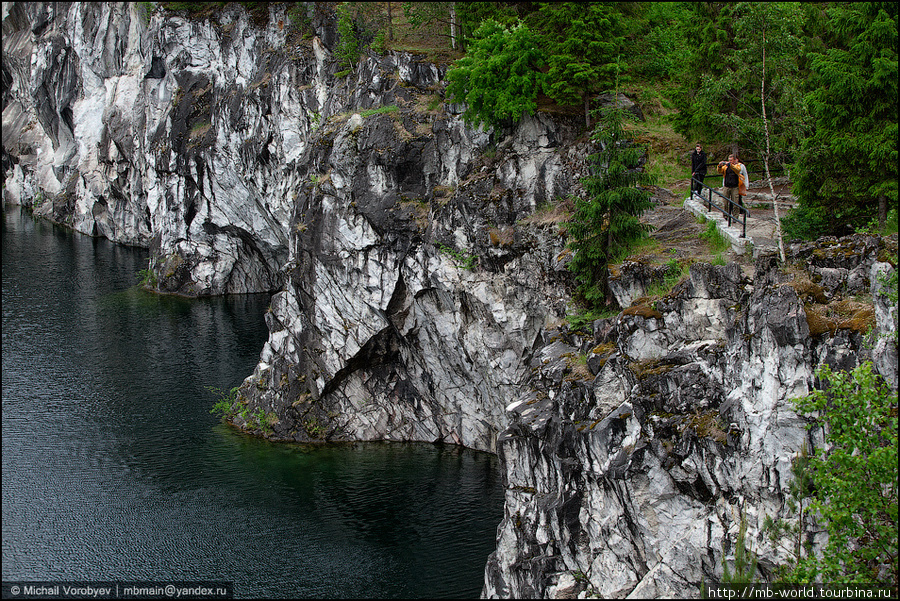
[{"x": 698, "y": 169}]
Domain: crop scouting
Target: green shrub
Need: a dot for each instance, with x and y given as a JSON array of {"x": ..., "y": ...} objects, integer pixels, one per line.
[
  {"x": 890, "y": 226},
  {"x": 391, "y": 108},
  {"x": 855, "y": 478},
  {"x": 226, "y": 406},
  {"x": 580, "y": 321},
  {"x": 499, "y": 77},
  {"x": 674, "y": 274},
  {"x": 714, "y": 237},
  {"x": 806, "y": 223},
  {"x": 147, "y": 278},
  {"x": 463, "y": 259}
]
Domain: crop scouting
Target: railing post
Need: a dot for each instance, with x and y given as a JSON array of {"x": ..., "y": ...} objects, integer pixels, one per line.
[{"x": 744, "y": 214}]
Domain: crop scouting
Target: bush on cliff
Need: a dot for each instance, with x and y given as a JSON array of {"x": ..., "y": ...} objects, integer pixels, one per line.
[
  {"x": 499, "y": 78},
  {"x": 854, "y": 478}
]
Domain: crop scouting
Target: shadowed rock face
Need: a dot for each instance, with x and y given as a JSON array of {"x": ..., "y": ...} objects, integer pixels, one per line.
[
  {"x": 411, "y": 301},
  {"x": 196, "y": 139},
  {"x": 402, "y": 318}
]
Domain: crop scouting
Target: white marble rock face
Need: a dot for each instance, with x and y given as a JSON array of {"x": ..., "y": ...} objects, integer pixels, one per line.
[{"x": 411, "y": 302}]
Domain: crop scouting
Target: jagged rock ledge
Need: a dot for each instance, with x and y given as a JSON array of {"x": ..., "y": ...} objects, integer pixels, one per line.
[{"x": 633, "y": 453}]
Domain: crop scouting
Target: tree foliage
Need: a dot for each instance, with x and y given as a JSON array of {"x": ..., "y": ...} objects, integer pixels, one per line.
[
  {"x": 657, "y": 45},
  {"x": 582, "y": 42},
  {"x": 848, "y": 167},
  {"x": 709, "y": 27},
  {"x": 360, "y": 25},
  {"x": 855, "y": 478},
  {"x": 788, "y": 533},
  {"x": 348, "y": 46},
  {"x": 605, "y": 223},
  {"x": 499, "y": 77},
  {"x": 743, "y": 569},
  {"x": 722, "y": 100},
  {"x": 821, "y": 106},
  {"x": 422, "y": 14},
  {"x": 830, "y": 98}
]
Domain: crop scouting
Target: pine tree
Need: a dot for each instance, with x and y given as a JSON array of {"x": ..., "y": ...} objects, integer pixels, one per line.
[
  {"x": 582, "y": 42},
  {"x": 606, "y": 224},
  {"x": 743, "y": 571},
  {"x": 789, "y": 533}
]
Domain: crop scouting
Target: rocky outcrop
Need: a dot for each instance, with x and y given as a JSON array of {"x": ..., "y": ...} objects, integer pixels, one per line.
[
  {"x": 154, "y": 132},
  {"x": 634, "y": 453},
  {"x": 408, "y": 294},
  {"x": 414, "y": 295},
  {"x": 417, "y": 295},
  {"x": 195, "y": 138}
]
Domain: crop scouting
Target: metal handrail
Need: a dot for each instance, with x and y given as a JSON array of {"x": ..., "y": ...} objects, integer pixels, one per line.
[
  {"x": 774, "y": 169},
  {"x": 745, "y": 213}
]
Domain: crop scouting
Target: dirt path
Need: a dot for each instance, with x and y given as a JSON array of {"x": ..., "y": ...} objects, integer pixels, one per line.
[{"x": 676, "y": 232}]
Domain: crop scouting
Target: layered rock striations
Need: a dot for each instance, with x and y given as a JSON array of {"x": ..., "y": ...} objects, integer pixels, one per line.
[
  {"x": 155, "y": 132},
  {"x": 418, "y": 287},
  {"x": 630, "y": 475},
  {"x": 406, "y": 315}
]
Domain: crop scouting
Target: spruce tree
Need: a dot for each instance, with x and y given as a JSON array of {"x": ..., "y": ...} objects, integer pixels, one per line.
[
  {"x": 605, "y": 223},
  {"x": 499, "y": 78},
  {"x": 709, "y": 58},
  {"x": 582, "y": 41},
  {"x": 846, "y": 172}
]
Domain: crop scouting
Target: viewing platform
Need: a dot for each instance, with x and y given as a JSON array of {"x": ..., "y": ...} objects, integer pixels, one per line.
[{"x": 760, "y": 231}]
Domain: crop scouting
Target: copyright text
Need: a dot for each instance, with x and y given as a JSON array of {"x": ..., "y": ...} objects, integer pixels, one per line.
[{"x": 118, "y": 590}]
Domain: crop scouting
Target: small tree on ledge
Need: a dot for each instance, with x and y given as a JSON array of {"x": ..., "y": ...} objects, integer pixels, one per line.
[
  {"x": 499, "y": 77},
  {"x": 605, "y": 224}
]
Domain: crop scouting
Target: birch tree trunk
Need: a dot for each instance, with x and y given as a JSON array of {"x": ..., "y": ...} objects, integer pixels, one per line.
[
  {"x": 390, "y": 13},
  {"x": 762, "y": 94},
  {"x": 453, "y": 26}
]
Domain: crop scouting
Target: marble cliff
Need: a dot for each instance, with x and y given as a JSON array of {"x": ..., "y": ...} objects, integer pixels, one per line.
[{"x": 417, "y": 293}]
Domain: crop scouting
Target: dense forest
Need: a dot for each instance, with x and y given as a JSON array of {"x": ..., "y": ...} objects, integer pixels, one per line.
[{"x": 811, "y": 87}]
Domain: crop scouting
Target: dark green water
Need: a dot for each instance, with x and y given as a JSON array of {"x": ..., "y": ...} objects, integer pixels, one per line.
[{"x": 114, "y": 469}]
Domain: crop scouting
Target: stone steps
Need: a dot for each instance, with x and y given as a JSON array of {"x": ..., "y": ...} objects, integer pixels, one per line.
[{"x": 760, "y": 232}]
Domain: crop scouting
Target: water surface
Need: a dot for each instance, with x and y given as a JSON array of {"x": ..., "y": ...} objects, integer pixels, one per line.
[{"x": 113, "y": 467}]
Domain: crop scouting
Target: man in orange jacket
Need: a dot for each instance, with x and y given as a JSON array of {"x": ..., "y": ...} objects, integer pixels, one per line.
[{"x": 734, "y": 184}]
